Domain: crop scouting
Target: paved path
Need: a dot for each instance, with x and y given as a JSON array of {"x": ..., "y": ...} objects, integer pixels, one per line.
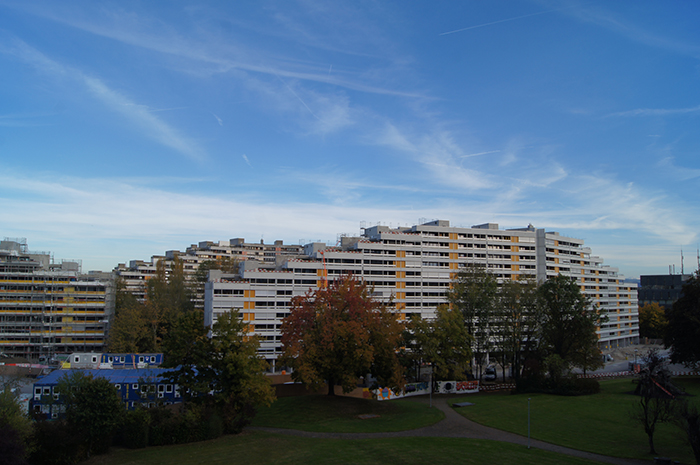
[{"x": 456, "y": 426}]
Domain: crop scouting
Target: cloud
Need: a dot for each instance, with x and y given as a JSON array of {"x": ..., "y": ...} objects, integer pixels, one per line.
[
  {"x": 495, "y": 22},
  {"x": 588, "y": 13},
  {"x": 79, "y": 214},
  {"x": 439, "y": 154},
  {"x": 657, "y": 111},
  {"x": 245, "y": 158},
  {"x": 221, "y": 123},
  {"x": 222, "y": 55},
  {"x": 139, "y": 115}
]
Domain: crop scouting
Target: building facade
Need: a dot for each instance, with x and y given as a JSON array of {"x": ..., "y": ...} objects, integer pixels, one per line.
[
  {"x": 46, "y": 308},
  {"x": 415, "y": 267},
  {"x": 136, "y": 274},
  {"x": 662, "y": 289}
]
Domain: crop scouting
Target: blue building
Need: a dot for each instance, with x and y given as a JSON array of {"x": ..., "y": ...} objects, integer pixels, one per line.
[{"x": 141, "y": 387}]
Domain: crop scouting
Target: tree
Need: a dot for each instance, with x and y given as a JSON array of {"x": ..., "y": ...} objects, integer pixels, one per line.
[
  {"x": 652, "y": 321},
  {"x": 656, "y": 395},
  {"x": 143, "y": 327},
  {"x": 93, "y": 409},
  {"x": 474, "y": 294},
  {"x": 687, "y": 417},
  {"x": 339, "y": 333},
  {"x": 15, "y": 427},
  {"x": 223, "y": 371},
  {"x": 513, "y": 333},
  {"x": 444, "y": 343},
  {"x": 683, "y": 332},
  {"x": 565, "y": 324}
]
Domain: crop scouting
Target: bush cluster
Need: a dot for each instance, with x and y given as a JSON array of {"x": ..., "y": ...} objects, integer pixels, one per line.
[{"x": 162, "y": 426}]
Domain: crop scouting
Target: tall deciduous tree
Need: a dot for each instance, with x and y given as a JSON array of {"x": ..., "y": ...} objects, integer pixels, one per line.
[
  {"x": 93, "y": 409},
  {"x": 339, "y": 333},
  {"x": 513, "y": 335},
  {"x": 444, "y": 343},
  {"x": 683, "y": 332},
  {"x": 566, "y": 324},
  {"x": 652, "y": 321},
  {"x": 142, "y": 327},
  {"x": 474, "y": 294},
  {"x": 222, "y": 370}
]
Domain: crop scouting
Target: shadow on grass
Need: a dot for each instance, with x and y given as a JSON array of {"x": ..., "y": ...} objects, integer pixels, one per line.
[{"x": 344, "y": 415}]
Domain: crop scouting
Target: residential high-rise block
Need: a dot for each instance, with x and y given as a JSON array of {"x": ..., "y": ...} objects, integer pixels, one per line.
[
  {"x": 47, "y": 308},
  {"x": 414, "y": 267}
]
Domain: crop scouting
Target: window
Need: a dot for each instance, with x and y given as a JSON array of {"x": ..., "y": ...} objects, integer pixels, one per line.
[
  {"x": 94, "y": 359},
  {"x": 153, "y": 359},
  {"x": 76, "y": 359},
  {"x": 118, "y": 387},
  {"x": 141, "y": 359}
]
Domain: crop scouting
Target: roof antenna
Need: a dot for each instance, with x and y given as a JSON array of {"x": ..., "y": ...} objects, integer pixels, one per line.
[{"x": 682, "y": 260}]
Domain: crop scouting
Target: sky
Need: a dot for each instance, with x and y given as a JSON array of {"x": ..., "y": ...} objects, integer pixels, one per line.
[{"x": 128, "y": 128}]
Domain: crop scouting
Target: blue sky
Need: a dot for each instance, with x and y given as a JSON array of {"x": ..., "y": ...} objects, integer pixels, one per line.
[{"x": 128, "y": 128}]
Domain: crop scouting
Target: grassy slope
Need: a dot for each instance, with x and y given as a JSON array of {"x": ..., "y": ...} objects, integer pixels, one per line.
[
  {"x": 340, "y": 415},
  {"x": 599, "y": 423},
  {"x": 259, "y": 448}
]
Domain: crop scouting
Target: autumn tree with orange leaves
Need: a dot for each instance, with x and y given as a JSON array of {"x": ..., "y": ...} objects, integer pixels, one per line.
[{"x": 339, "y": 333}]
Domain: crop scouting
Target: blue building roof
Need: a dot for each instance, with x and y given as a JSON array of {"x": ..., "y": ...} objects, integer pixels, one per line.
[{"x": 118, "y": 376}]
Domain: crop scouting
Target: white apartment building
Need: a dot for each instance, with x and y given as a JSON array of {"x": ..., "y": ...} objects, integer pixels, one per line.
[
  {"x": 137, "y": 273},
  {"x": 416, "y": 266}
]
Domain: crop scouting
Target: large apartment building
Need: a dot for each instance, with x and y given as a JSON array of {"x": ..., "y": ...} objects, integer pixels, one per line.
[
  {"x": 416, "y": 266},
  {"x": 47, "y": 308},
  {"x": 137, "y": 273}
]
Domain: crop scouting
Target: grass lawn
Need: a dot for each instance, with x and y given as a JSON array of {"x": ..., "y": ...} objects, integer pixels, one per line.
[
  {"x": 341, "y": 414},
  {"x": 597, "y": 423},
  {"x": 256, "y": 448}
]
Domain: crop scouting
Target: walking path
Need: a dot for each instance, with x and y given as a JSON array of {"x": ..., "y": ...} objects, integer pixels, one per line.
[{"x": 456, "y": 426}]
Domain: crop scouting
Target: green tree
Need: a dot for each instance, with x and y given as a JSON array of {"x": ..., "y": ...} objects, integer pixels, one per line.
[
  {"x": 223, "y": 371},
  {"x": 566, "y": 324},
  {"x": 683, "y": 331},
  {"x": 515, "y": 312},
  {"x": 339, "y": 333},
  {"x": 143, "y": 327},
  {"x": 652, "y": 321},
  {"x": 687, "y": 418},
  {"x": 444, "y": 343},
  {"x": 474, "y": 293},
  {"x": 15, "y": 427},
  {"x": 93, "y": 409}
]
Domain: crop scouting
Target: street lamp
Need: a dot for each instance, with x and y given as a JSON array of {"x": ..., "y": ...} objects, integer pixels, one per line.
[{"x": 528, "y": 422}]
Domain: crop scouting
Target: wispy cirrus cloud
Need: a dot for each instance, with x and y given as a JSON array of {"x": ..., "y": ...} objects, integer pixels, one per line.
[
  {"x": 439, "y": 154},
  {"x": 656, "y": 112},
  {"x": 224, "y": 56},
  {"x": 589, "y": 13},
  {"x": 139, "y": 115}
]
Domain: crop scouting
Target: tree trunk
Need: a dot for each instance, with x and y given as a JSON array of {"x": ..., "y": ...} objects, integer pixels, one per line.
[
  {"x": 331, "y": 387},
  {"x": 651, "y": 444}
]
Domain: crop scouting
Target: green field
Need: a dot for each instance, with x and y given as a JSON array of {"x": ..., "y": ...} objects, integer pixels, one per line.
[
  {"x": 258, "y": 448},
  {"x": 597, "y": 423},
  {"x": 342, "y": 415}
]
